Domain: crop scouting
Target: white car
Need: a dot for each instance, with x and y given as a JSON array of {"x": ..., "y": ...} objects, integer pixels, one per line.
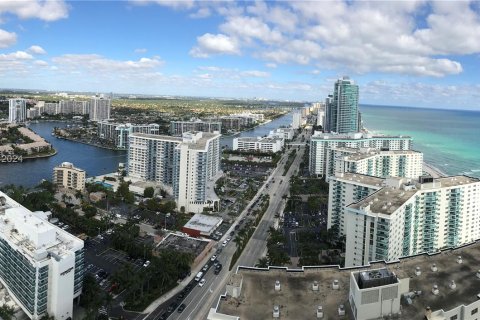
[
  {"x": 224, "y": 243},
  {"x": 228, "y": 239},
  {"x": 213, "y": 258},
  {"x": 202, "y": 282}
]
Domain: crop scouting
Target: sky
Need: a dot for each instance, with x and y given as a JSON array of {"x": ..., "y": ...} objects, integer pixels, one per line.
[{"x": 404, "y": 53}]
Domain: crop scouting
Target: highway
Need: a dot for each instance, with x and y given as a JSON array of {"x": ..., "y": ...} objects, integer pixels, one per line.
[{"x": 201, "y": 299}]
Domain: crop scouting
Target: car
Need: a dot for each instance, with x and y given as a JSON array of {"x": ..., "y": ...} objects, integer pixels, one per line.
[
  {"x": 228, "y": 239},
  {"x": 172, "y": 307},
  {"x": 181, "y": 308},
  {"x": 146, "y": 264},
  {"x": 215, "y": 263},
  {"x": 213, "y": 258},
  {"x": 219, "y": 250},
  {"x": 231, "y": 233},
  {"x": 163, "y": 316},
  {"x": 218, "y": 268},
  {"x": 237, "y": 226},
  {"x": 205, "y": 267},
  {"x": 180, "y": 296},
  {"x": 202, "y": 282},
  {"x": 224, "y": 243}
]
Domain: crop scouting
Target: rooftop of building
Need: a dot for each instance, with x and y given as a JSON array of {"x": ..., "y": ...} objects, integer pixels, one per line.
[
  {"x": 157, "y": 137},
  {"x": 353, "y": 136},
  {"x": 356, "y": 178},
  {"x": 203, "y": 223},
  {"x": 183, "y": 243},
  {"x": 198, "y": 140},
  {"x": 31, "y": 233},
  {"x": 390, "y": 198},
  {"x": 297, "y": 300},
  {"x": 68, "y": 165},
  {"x": 356, "y": 154}
]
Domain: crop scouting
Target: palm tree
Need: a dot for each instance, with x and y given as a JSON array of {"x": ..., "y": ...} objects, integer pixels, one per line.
[{"x": 262, "y": 263}]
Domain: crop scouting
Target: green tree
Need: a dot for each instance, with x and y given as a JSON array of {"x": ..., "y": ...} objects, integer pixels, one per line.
[
  {"x": 148, "y": 192},
  {"x": 6, "y": 313}
]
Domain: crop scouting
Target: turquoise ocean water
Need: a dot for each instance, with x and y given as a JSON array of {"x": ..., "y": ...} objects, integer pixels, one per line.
[{"x": 449, "y": 139}]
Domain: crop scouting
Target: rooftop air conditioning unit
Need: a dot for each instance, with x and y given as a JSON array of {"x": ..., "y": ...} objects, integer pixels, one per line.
[
  {"x": 315, "y": 286},
  {"x": 452, "y": 284},
  {"x": 418, "y": 271},
  {"x": 276, "y": 311},
  {"x": 435, "y": 290},
  {"x": 459, "y": 260},
  {"x": 277, "y": 285},
  {"x": 434, "y": 268},
  {"x": 341, "y": 310},
  {"x": 319, "y": 312},
  {"x": 335, "y": 285}
]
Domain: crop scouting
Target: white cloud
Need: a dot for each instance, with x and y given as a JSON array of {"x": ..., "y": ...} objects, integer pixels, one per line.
[
  {"x": 209, "y": 44},
  {"x": 271, "y": 65},
  {"x": 49, "y": 10},
  {"x": 175, "y": 4},
  {"x": 97, "y": 64},
  {"x": 40, "y": 63},
  {"x": 140, "y": 50},
  {"x": 18, "y": 55},
  {"x": 36, "y": 50},
  {"x": 420, "y": 38},
  {"x": 7, "y": 39},
  {"x": 201, "y": 13},
  {"x": 255, "y": 74},
  {"x": 250, "y": 28}
]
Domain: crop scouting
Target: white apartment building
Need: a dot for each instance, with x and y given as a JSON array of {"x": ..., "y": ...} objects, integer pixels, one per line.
[
  {"x": 345, "y": 189},
  {"x": 177, "y": 128},
  {"x": 99, "y": 108},
  {"x": 150, "y": 157},
  {"x": 296, "y": 119},
  {"x": 118, "y": 133},
  {"x": 73, "y": 107},
  {"x": 373, "y": 162},
  {"x": 41, "y": 265},
  {"x": 186, "y": 166},
  {"x": 285, "y": 133},
  {"x": 196, "y": 168},
  {"x": 321, "y": 142},
  {"x": 411, "y": 218},
  {"x": 67, "y": 176},
  {"x": 265, "y": 144},
  {"x": 17, "y": 110}
]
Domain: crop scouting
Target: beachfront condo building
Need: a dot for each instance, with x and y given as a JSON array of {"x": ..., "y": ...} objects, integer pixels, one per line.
[
  {"x": 187, "y": 166},
  {"x": 321, "y": 142},
  {"x": 342, "y": 108},
  {"x": 296, "y": 119},
  {"x": 373, "y": 162},
  {"x": 17, "y": 110},
  {"x": 412, "y": 217},
  {"x": 347, "y": 188},
  {"x": 177, "y": 128},
  {"x": 67, "y": 176},
  {"x": 41, "y": 265},
  {"x": 99, "y": 108}
]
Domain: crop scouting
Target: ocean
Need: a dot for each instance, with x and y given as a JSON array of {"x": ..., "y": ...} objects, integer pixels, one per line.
[{"x": 449, "y": 139}]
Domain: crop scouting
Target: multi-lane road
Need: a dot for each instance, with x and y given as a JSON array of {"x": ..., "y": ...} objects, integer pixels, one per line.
[{"x": 200, "y": 299}]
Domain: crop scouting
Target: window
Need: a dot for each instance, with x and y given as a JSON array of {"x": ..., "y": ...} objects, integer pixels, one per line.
[
  {"x": 455, "y": 317},
  {"x": 474, "y": 311}
]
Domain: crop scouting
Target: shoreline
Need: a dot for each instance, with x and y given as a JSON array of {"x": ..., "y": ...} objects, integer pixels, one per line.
[
  {"x": 89, "y": 144},
  {"x": 433, "y": 171},
  {"x": 42, "y": 156}
]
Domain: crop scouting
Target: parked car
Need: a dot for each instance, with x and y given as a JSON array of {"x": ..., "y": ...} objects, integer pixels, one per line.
[
  {"x": 146, "y": 264},
  {"x": 202, "y": 282},
  {"x": 181, "y": 308},
  {"x": 213, "y": 258},
  {"x": 224, "y": 243}
]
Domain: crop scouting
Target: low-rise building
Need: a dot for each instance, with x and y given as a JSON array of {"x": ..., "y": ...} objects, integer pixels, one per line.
[
  {"x": 118, "y": 133},
  {"x": 285, "y": 133},
  {"x": 67, "y": 176},
  {"x": 41, "y": 265},
  {"x": 265, "y": 144},
  {"x": 202, "y": 225}
]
